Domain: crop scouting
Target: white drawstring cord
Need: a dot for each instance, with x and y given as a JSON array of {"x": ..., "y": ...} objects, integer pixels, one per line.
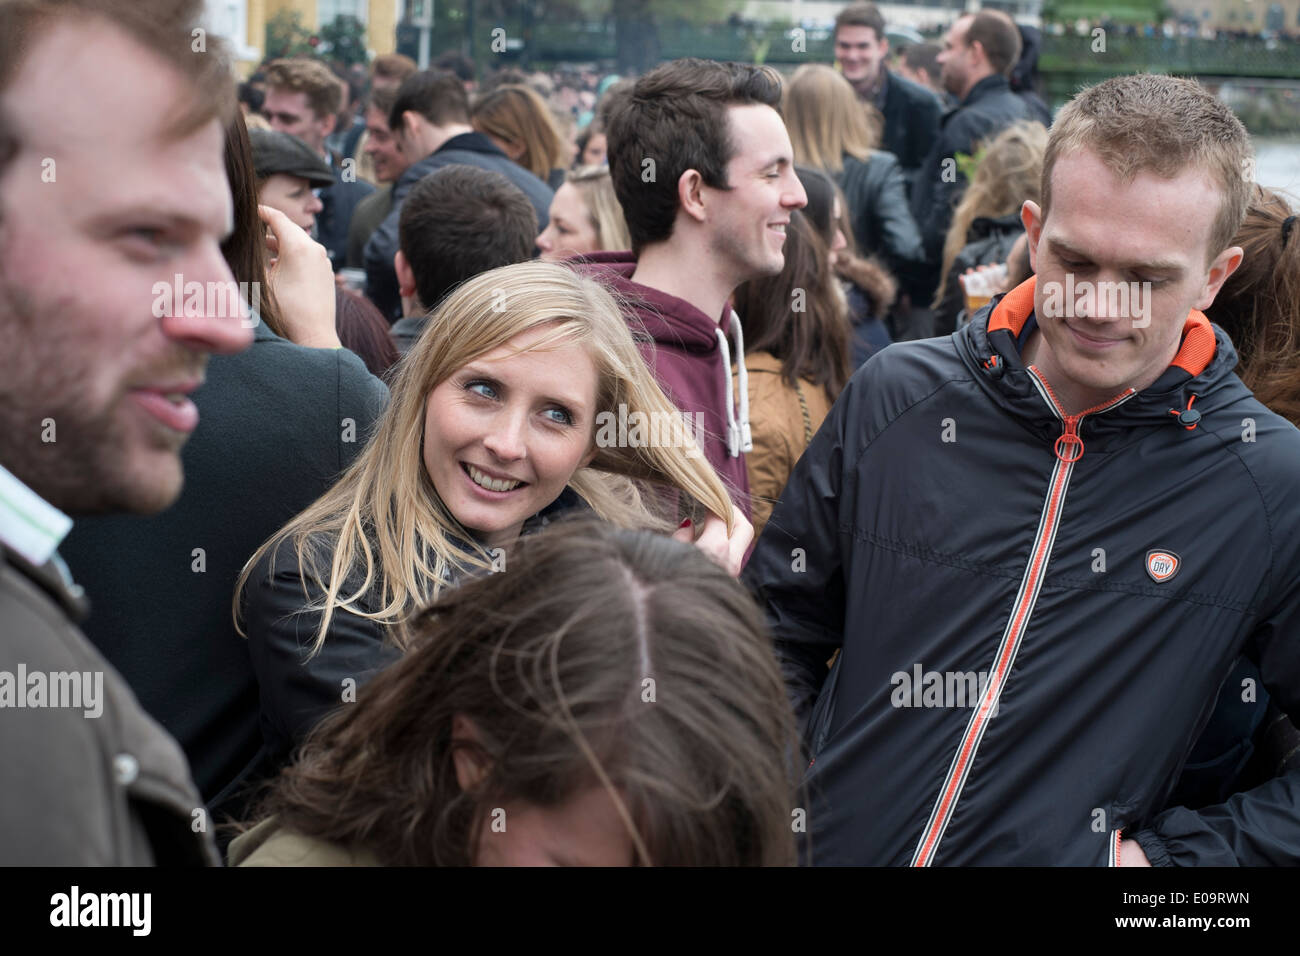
[
  {"x": 738, "y": 434},
  {"x": 746, "y": 439}
]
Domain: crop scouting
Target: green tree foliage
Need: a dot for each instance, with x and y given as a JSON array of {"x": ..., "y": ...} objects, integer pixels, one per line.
[{"x": 286, "y": 36}]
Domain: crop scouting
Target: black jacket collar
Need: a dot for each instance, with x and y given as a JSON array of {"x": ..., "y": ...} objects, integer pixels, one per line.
[{"x": 1202, "y": 368}]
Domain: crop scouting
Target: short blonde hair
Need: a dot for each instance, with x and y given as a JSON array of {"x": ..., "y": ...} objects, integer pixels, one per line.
[
  {"x": 1164, "y": 125},
  {"x": 603, "y": 209},
  {"x": 826, "y": 120}
]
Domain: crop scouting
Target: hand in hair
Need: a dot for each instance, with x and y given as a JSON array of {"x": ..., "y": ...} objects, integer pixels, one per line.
[
  {"x": 302, "y": 281},
  {"x": 711, "y": 538}
]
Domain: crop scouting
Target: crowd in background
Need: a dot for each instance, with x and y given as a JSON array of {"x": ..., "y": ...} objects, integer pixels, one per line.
[{"x": 422, "y": 570}]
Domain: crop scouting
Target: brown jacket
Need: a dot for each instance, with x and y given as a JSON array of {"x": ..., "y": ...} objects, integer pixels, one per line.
[
  {"x": 267, "y": 844},
  {"x": 82, "y": 788},
  {"x": 782, "y": 421}
]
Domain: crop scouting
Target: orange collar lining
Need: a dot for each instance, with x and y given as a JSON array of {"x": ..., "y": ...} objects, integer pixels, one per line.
[{"x": 1194, "y": 354}]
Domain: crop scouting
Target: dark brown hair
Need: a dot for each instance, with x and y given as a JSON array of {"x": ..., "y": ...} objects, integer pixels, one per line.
[
  {"x": 676, "y": 119},
  {"x": 1259, "y": 304},
  {"x": 162, "y": 26},
  {"x": 924, "y": 56},
  {"x": 460, "y": 221},
  {"x": 245, "y": 248},
  {"x": 363, "y": 331},
  {"x": 798, "y": 315},
  {"x": 862, "y": 15},
  {"x": 437, "y": 96},
  {"x": 998, "y": 34},
  {"x": 599, "y": 657}
]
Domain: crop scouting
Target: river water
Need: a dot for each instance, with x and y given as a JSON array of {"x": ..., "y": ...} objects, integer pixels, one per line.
[{"x": 1277, "y": 165}]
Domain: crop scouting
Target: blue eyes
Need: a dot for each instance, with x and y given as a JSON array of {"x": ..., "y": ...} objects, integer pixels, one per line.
[{"x": 556, "y": 414}]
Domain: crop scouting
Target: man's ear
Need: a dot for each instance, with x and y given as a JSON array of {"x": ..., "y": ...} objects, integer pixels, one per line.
[
  {"x": 1224, "y": 265},
  {"x": 327, "y": 124},
  {"x": 1032, "y": 217},
  {"x": 690, "y": 194},
  {"x": 470, "y": 768},
  {"x": 405, "y": 275}
]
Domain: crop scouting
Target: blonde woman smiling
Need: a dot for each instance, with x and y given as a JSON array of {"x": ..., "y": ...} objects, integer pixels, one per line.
[{"x": 490, "y": 434}]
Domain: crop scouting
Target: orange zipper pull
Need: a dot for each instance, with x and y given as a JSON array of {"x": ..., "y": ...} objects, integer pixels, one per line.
[{"x": 1069, "y": 446}]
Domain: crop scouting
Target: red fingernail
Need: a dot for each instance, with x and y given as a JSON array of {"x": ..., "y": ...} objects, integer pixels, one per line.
[{"x": 684, "y": 524}]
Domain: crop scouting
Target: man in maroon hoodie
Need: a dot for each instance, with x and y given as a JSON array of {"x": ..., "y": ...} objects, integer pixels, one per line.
[{"x": 703, "y": 167}]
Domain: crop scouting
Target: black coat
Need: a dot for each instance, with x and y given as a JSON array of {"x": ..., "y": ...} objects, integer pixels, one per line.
[
  {"x": 989, "y": 240},
  {"x": 942, "y": 526},
  {"x": 882, "y": 222},
  {"x": 297, "y": 687},
  {"x": 911, "y": 113},
  {"x": 467, "y": 149},
  {"x": 275, "y": 420},
  {"x": 989, "y": 108},
  {"x": 338, "y": 203}
]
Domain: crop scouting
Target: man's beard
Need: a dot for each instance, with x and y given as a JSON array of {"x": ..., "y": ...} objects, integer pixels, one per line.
[{"x": 53, "y": 438}]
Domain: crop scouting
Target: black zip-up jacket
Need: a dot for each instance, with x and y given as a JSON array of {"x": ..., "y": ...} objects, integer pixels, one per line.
[
  {"x": 989, "y": 108},
  {"x": 1102, "y": 572}
]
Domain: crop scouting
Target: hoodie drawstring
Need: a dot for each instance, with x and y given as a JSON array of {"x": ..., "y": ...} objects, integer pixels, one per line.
[
  {"x": 1187, "y": 417},
  {"x": 739, "y": 437}
]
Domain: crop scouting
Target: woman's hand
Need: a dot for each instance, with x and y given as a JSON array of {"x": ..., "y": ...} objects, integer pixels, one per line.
[
  {"x": 712, "y": 539},
  {"x": 302, "y": 280}
]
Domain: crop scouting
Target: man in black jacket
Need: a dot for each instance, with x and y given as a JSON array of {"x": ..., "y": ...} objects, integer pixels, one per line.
[
  {"x": 979, "y": 51},
  {"x": 1042, "y": 543},
  {"x": 431, "y": 121},
  {"x": 910, "y": 111}
]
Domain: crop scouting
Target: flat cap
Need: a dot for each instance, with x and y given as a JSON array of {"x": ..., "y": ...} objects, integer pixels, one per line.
[{"x": 281, "y": 153}]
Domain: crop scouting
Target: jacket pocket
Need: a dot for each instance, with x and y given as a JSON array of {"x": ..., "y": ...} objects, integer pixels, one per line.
[{"x": 1112, "y": 847}]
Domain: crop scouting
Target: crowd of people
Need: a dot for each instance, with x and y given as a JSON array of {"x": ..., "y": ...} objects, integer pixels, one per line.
[{"x": 435, "y": 471}]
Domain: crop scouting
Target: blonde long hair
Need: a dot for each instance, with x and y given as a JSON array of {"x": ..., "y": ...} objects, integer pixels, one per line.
[
  {"x": 603, "y": 209},
  {"x": 1009, "y": 173},
  {"x": 826, "y": 120},
  {"x": 384, "y": 514}
]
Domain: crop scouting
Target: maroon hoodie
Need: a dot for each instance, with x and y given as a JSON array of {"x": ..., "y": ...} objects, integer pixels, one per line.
[{"x": 687, "y": 358}]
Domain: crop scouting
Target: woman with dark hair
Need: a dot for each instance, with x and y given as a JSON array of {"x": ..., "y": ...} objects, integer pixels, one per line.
[
  {"x": 798, "y": 337},
  {"x": 868, "y": 288},
  {"x": 611, "y": 700},
  {"x": 1259, "y": 304},
  {"x": 245, "y": 248},
  {"x": 290, "y": 273},
  {"x": 1247, "y": 742}
]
